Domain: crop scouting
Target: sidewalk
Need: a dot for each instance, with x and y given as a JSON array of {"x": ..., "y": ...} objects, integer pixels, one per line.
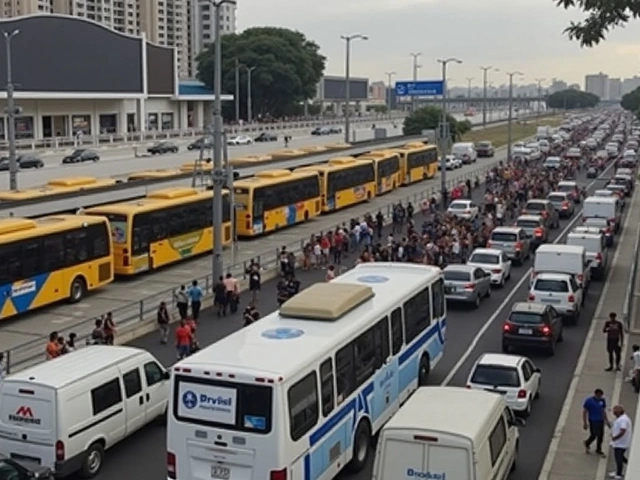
[{"x": 566, "y": 459}]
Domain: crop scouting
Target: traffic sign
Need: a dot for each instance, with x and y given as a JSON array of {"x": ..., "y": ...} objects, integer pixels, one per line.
[{"x": 427, "y": 88}]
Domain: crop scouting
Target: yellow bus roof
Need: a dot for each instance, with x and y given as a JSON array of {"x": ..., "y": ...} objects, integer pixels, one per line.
[
  {"x": 197, "y": 165},
  {"x": 57, "y": 186},
  {"x": 151, "y": 174},
  {"x": 337, "y": 163},
  {"x": 154, "y": 200},
  {"x": 13, "y": 228},
  {"x": 377, "y": 155},
  {"x": 273, "y": 177}
]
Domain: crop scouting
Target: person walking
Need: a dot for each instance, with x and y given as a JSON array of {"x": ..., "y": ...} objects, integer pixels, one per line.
[
  {"x": 182, "y": 302},
  {"x": 232, "y": 292},
  {"x": 163, "y": 322},
  {"x": 109, "y": 327},
  {"x": 621, "y": 433},
  {"x": 255, "y": 282},
  {"x": 594, "y": 419},
  {"x": 184, "y": 339},
  {"x": 614, "y": 331},
  {"x": 195, "y": 295}
]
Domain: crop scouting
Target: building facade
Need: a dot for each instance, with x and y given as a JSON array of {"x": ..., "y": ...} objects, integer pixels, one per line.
[
  {"x": 597, "y": 84},
  {"x": 630, "y": 84},
  {"x": 186, "y": 25},
  {"x": 615, "y": 89},
  {"x": 65, "y": 89}
]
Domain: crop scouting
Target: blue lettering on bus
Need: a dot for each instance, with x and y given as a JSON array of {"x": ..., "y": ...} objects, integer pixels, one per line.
[
  {"x": 411, "y": 473},
  {"x": 219, "y": 400}
]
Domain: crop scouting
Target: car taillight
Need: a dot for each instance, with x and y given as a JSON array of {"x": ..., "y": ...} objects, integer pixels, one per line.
[
  {"x": 571, "y": 299},
  {"x": 518, "y": 245},
  {"x": 470, "y": 286},
  {"x": 545, "y": 330},
  {"x": 489, "y": 244},
  {"x": 506, "y": 327},
  {"x": 171, "y": 465},
  {"x": 531, "y": 297},
  {"x": 565, "y": 205},
  {"x": 496, "y": 270},
  {"x": 522, "y": 394},
  {"x": 278, "y": 474},
  {"x": 537, "y": 232},
  {"x": 59, "y": 451},
  {"x": 599, "y": 257}
]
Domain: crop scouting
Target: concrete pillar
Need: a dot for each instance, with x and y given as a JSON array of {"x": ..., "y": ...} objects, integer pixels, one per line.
[
  {"x": 37, "y": 121},
  {"x": 95, "y": 119},
  {"x": 122, "y": 118},
  {"x": 141, "y": 115},
  {"x": 183, "y": 115},
  {"x": 198, "y": 114}
]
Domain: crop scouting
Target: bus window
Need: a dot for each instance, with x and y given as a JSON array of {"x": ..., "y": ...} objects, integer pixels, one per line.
[
  {"x": 326, "y": 386},
  {"x": 437, "y": 299},
  {"x": 417, "y": 314},
  {"x": 381, "y": 341},
  {"x": 344, "y": 372},
  {"x": 365, "y": 357},
  {"x": 303, "y": 406},
  {"x": 396, "y": 331}
]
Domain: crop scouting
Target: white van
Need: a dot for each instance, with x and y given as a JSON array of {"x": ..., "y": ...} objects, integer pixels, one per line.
[
  {"x": 465, "y": 151},
  {"x": 448, "y": 433},
  {"x": 594, "y": 244},
  {"x": 66, "y": 412},
  {"x": 569, "y": 259},
  {"x": 602, "y": 207}
]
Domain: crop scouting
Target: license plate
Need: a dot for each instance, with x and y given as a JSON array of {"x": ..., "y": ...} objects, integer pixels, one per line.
[
  {"x": 525, "y": 331},
  {"x": 550, "y": 300},
  {"x": 223, "y": 473}
]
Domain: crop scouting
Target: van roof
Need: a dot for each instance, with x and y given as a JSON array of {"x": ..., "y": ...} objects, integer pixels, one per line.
[
  {"x": 84, "y": 362},
  {"x": 559, "y": 248},
  {"x": 452, "y": 410}
]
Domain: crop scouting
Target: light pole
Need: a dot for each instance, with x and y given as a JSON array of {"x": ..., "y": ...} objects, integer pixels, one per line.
[
  {"x": 11, "y": 112},
  {"x": 510, "y": 75},
  {"x": 389, "y": 75},
  {"x": 416, "y": 56},
  {"x": 444, "y": 129},
  {"x": 218, "y": 173},
  {"x": 484, "y": 92},
  {"x": 249, "y": 96},
  {"x": 539, "y": 82},
  {"x": 469, "y": 81},
  {"x": 347, "y": 73},
  {"x": 237, "y": 95}
]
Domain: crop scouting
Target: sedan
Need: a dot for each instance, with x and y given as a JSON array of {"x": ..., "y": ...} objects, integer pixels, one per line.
[
  {"x": 563, "y": 203},
  {"x": 451, "y": 162},
  {"x": 321, "y": 131},
  {"x": 22, "y": 161},
  {"x": 532, "y": 325},
  {"x": 266, "y": 137},
  {"x": 535, "y": 228},
  {"x": 163, "y": 147},
  {"x": 466, "y": 284},
  {"x": 240, "y": 140},
  {"x": 82, "y": 155},
  {"x": 494, "y": 262},
  {"x": 200, "y": 144},
  {"x": 466, "y": 209}
]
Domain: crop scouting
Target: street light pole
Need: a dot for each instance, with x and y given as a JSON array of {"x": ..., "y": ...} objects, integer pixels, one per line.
[
  {"x": 11, "y": 112},
  {"x": 218, "y": 173},
  {"x": 347, "y": 73},
  {"x": 510, "y": 121},
  {"x": 237, "y": 95},
  {"x": 469, "y": 80},
  {"x": 539, "y": 82},
  {"x": 416, "y": 56},
  {"x": 249, "y": 95},
  {"x": 444, "y": 130},
  {"x": 389, "y": 77},
  {"x": 484, "y": 92}
]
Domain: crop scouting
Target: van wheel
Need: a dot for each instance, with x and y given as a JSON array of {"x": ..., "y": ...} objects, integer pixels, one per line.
[
  {"x": 92, "y": 461},
  {"x": 78, "y": 290},
  {"x": 424, "y": 370},
  {"x": 361, "y": 445}
]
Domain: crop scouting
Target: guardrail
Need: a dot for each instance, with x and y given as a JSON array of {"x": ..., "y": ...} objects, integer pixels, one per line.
[
  {"x": 105, "y": 140},
  {"x": 140, "y": 314}
]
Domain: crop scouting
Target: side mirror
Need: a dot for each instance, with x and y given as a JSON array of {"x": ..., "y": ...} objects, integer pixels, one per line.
[
  {"x": 537, "y": 370},
  {"x": 167, "y": 375}
]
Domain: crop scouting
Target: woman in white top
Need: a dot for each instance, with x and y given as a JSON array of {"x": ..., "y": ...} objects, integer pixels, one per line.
[{"x": 621, "y": 433}]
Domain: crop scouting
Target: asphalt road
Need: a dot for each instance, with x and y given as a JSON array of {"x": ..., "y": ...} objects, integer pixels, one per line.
[{"x": 469, "y": 334}]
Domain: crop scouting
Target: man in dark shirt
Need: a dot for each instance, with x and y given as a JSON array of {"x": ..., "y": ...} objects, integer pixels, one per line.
[
  {"x": 614, "y": 330},
  {"x": 594, "y": 418}
]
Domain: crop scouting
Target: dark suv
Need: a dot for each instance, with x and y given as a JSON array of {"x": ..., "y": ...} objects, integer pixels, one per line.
[
  {"x": 81, "y": 155},
  {"x": 530, "y": 324},
  {"x": 485, "y": 149},
  {"x": 266, "y": 137},
  {"x": 23, "y": 161}
]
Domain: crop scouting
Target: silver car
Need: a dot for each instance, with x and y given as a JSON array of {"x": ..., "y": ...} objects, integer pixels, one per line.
[
  {"x": 513, "y": 241},
  {"x": 563, "y": 203},
  {"x": 466, "y": 284}
]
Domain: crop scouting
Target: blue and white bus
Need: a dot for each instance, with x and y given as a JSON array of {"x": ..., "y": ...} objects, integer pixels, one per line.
[{"x": 299, "y": 394}]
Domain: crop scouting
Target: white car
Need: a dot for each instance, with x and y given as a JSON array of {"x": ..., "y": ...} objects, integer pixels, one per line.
[
  {"x": 240, "y": 140},
  {"x": 494, "y": 262},
  {"x": 452, "y": 162},
  {"x": 544, "y": 146},
  {"x": 536, "y": 154},
  {"x": 466, "y": 209},
  {"x": 560, "y": 290},
  {"x": 514, "y": 377}
]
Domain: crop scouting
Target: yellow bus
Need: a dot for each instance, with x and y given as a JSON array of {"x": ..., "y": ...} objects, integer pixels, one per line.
[
  {"x": 53, "y": 258},
  {"x": 57, "y": 187},
  {"x": 153, "y": 174},
  {"x": 165, "y": 227},
  {"x": 387, "y": 168},
  {"x": 344, "y": 181},
  {"x": 274, "y": 199},
  {"x": 417, "y": 162}
]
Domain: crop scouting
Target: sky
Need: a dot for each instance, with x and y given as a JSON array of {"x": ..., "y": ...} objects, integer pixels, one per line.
[{"x": 512, "y": 35}]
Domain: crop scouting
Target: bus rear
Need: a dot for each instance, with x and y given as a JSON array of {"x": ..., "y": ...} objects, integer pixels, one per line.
[{"x": 224, "y": 426}]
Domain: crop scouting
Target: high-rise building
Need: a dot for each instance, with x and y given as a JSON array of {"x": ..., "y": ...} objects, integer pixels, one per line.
[
  {"x": 615, "y": 89},
  {"x": 557, "y": 86},
  {"x": 187, "y": 25},
  {"x": 630, "y": 84},
  {"x": 598, "y": 84}
]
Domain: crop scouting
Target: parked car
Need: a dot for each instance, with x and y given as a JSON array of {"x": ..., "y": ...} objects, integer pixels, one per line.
[
  {"x": 532, "y": 325},
  {"x": 23, "y": 161},
  {"x": 240, "y": 140},
  {"x": 266, "y": 137},
  {"x": 485, "y": 149},
  {"x": 200, "y": 144},
  {"x": 11, "y": 469},
  {"x": 321, "y": 131},
  {"x": 163, "y": 147},
  {"x": 82, "y": 155},
  {"x": 466, "y": 284},
  {"x": 335, "y": 129}
]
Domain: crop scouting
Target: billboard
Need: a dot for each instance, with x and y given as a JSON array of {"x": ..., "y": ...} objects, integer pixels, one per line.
[{"x": 335, "y": 88}]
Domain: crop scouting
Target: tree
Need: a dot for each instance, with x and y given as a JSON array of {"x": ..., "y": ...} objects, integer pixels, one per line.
[
  {"x": 428, "y": 118},
  {"x": 570, "y": 99},
  {"x": 631, "y": 101},
  {"x": 602, "y": 16},
  {"x": 286, "y": 69}
]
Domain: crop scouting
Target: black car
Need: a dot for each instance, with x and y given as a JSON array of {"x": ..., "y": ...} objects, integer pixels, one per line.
[
  {"x": 23, "y": 161},
  {"x": 485, "y": 149},
  {"x": 266, "y": 137},
  {"x": 534, "y": 325},
  {"x": 163, "y": 147},
  {"x": 335, "y": 129},
  {"x": 592, "y": 172},
  {"x": 321, "y": 131},
  {"x": 200, "y": 144},
  {"x": 16, "y": 470},
  {"x": 81, "y": 155}
]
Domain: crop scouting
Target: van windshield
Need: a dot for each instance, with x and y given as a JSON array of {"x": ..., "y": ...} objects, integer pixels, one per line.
[
  {"x": 223, "y": 405},
  {"x": 496, "y": 375}
]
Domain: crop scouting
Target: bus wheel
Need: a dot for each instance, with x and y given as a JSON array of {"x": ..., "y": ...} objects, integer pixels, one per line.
[
  {"x": 78, "y": 290},
  {"x": 424, "y": 370},
  {"x": 368, "y": 196},
  {"x": 361, "y": 445},
  {"x": 306, "y": 215}
]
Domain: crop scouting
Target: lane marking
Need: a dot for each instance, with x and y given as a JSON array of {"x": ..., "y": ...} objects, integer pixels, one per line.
[{"x": 474, "y": 343}]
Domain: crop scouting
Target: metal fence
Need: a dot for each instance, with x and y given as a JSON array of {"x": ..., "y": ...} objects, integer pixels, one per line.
[
  {"x": 627, "y": 308},
  {"x": 136, "y": 313}
]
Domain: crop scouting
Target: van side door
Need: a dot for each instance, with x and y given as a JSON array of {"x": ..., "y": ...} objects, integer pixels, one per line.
[
  {"x": 135, "y": 403},
  {"x": 156, "y": 391},
  {"x": 500, "y": 449}
]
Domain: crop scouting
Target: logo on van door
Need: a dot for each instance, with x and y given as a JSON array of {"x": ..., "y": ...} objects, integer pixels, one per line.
[
  {"x": 25, "y": 416},
  {"x": 411, "y": 473}
]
